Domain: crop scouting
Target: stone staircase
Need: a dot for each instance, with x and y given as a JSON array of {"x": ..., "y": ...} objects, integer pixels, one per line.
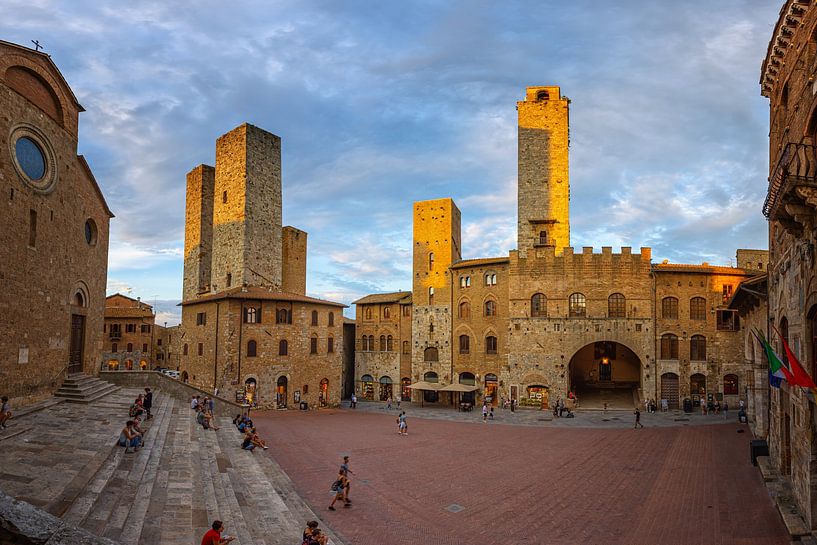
[
  {"x": 81, "y": 388},
  {"x": 184, "y": 477}
]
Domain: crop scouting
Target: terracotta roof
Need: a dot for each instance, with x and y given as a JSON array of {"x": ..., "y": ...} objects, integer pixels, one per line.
[
  {"x": 256, "y": 293},
  {"x": 128, "y": 312},
  {"x": 709, "y": 269},
  {"x": 755, "y": 288},
  {"x": 463, "y": 263},
  {"x": 391, "y": 297}
]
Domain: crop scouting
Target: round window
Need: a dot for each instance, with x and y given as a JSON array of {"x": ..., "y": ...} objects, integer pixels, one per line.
[
  {"x": 90, "y": 232},
  {"x": 33, "y": 157},
  {"x": 30, "y": 158}
]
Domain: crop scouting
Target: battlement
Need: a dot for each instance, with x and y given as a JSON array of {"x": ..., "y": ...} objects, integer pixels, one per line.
[{"x": 569, "y": 254}]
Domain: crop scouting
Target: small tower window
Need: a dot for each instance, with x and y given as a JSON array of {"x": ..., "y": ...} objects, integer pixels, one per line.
[
  {"x": 542, "y": 95},
  {"x": 543, "y": 238},
  {"x": 430, "y": 260},
  {"x": 224, "y": 197}
]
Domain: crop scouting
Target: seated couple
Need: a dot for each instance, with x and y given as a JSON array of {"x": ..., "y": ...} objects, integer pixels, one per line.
[
  {"x": 251, "y": 440},
  {"x": 204, "y": 418},
  {"x": 130, "y": 437}
]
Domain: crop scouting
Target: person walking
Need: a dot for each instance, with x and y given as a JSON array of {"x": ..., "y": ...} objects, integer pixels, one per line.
[
  {"x": 403, "y": 424},
  {"x": 388, "y": 404},
  {"x": 5, "y": 412},
  {"x": 339, "y": 487},
  {"x": 213, "y": 535},
  {"x": 513, "y": 405},
  {"x": 638, "y": 423},
  {"x": 345, "y": 471},
  {"x": 484, "y": 413},
  {"x": 353, "y": 402}
]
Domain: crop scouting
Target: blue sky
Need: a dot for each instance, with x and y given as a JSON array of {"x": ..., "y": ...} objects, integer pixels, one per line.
[{"x": 380, "y": 104}]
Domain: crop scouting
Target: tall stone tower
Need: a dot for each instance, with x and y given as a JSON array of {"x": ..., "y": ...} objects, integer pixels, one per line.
[
  {"x": 247, "y": 210},
  {"x": 198, "y": 231},
  {"x": 543, "y": 180},
  {"x": 436, "y": 248}
]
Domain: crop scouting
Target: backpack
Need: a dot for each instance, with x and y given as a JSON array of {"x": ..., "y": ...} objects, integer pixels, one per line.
[{"x": 337, "y": 486}]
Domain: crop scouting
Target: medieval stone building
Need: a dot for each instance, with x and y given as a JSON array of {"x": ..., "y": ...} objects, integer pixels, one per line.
[
  {"x": 787, "y": 79},
  {"x": 53, "y": 232},
  {"x": 248, "y": 329},
  {"x": 547, "y": 319},
  {"x": 129, "y": 334}
]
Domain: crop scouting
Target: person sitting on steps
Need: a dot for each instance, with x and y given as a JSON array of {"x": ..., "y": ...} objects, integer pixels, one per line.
[{"x": 130, "y": 438}]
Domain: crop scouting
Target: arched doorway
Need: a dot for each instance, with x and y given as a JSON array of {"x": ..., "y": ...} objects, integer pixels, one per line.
[
  {"x": 605, "y": 372},
  {"x": 367, "y": 385},
  {"x": 385, "y": 388},
  {"x": 129, "y": 365},
  {"x": 669, "y": 390},
  {"x": 405, "y": 388},
  {"x": 143, "y": 364},
  {"x": 697, "y": 389},
  {"x": 491, "y": 389},
  {"x": 281, "y": 392},
  {"x": 431, "y": 396},
  {"x": 323, "y": 395},
  {"x": 185, "y": 377},
  {"x": 469, "y": 380},
  {"x": 251, "y": 390}
]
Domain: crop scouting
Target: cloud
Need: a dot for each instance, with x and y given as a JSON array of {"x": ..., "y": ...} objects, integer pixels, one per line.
[{"x": 379, "y": 108}]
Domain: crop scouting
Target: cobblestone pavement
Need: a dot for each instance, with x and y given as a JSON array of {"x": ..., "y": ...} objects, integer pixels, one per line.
[
  {"x": 582, "y": 418},
  {"x": 453, "y": 482}
]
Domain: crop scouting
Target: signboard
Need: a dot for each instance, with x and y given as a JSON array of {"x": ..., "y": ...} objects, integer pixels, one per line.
[{"x": 240, "y": 396}]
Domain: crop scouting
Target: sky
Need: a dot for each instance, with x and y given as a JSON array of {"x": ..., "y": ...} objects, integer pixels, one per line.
[{"x": 380, "y": 104}]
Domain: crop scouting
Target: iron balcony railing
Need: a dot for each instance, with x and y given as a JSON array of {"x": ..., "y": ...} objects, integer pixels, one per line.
[{"x": 797, "y": 167}]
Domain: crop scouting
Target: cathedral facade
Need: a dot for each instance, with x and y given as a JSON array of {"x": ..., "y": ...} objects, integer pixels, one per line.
[{"x": 548, "y": 319}]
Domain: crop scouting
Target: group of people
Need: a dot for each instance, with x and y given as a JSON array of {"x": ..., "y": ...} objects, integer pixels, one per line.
[
  {"x": 251, "y": 438},
  {"x": 650, "y": 405},
  {"x": 486, "y": 413},
  {"x": 559, "y": 409},
  {"x": 132, "y": 435},
  {"x": 714, "y": 407},
  {"x": 204, "y": 412}
]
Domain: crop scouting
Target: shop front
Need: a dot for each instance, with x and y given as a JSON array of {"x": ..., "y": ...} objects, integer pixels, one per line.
[
  {"x": 367, "y": 387},
  {"x": 491, "y": 389},
  {"x": 385, "y": 388}
]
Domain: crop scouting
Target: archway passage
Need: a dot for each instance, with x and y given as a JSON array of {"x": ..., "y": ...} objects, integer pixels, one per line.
[{"x": 605, "y": 372}]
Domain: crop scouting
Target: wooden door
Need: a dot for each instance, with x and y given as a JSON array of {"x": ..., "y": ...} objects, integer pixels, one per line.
[
  {"x": 669, "y": 389},
  {"x": 75, "y": 354}
]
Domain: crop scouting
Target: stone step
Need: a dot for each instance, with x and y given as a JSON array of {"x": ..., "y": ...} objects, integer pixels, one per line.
[
  {"x": 79, "y": 388},
  {"x": 115, "y": 500}
]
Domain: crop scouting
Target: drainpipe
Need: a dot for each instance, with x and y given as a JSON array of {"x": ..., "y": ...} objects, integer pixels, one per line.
[
  {"x": 215, "y": 358},
  {"x": 240, "y": 336},
  {"x": 655, "y": 336}
]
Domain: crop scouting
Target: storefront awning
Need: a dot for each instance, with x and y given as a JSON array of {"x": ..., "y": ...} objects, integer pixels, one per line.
[
  {"x": 458, "y": 388},
  {"x": 423, "y": 385}
]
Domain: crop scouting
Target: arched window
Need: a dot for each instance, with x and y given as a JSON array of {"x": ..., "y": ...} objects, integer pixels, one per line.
[
  {"x": 465, "y": 281},
  {"x": 367, "y": 313},
  {"x": 371, "y": 343},
  {"x": 114, "y": 348},
  {"x": 539, "y": 305},
  {"x": 389, "y": 344},
  {"x": 330, "y": 345},
  {"x": 406, "y": 347},
  {"x": 730, "y": 385},
  {"x": 430, "y": 296},
  {"x": 490, "y": 344},
  {"x": 251, "y": 315},
  {"x": 130, "y": 347},
  {"x": 386, "y": 312},
  {"x": 382, "y": 343},
  {"x": 697, "y": 308},
  {"x": 490, "y": 307},
  {"x": 431, "y": 376},
  {"x": 490, "y": 279},
  {"x": 313, "y": 344},
  {"x": 79, "y": 299},
  {"x": 465, "y": 344},
  {"x": 669, "y": 346},
  {"x": 430, "y": 260},
  {"x": 465, "y": 309},
  {"x": 331, "y": 319},
  {"x": 577, "y": 305},
  {"x": 543, "y": 238},
  {"x": 697, "y": 348},
  {"x": 431, "y": 354},
  {"x": 283, "y": 347},
  {"x": 252, "y": 348},
  {"x": 314, "y": 317},
  {"x": 616, "y": 306},
  {"x": 669, "y": 308}
]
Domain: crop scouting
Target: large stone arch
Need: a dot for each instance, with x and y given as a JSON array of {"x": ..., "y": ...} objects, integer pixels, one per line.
[{"x": 605, "y": 371}]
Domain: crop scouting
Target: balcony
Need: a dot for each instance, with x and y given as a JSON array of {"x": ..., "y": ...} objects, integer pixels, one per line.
[
  {"x": 115, "y": 335},
  {"x": 792, "y": 195}
]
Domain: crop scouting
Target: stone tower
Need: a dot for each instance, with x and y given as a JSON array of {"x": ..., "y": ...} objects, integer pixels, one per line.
[
  {"x": 293, "y": 279},
  {"x": 247, "y": 210},
  {"x": 436, "y": 248},
  {"x": 198, "y": 231},
  {"x": 543, "y": 180}
]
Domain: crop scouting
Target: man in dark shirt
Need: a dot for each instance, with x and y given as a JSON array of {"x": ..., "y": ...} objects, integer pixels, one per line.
[{"x": 148, "y": 402}]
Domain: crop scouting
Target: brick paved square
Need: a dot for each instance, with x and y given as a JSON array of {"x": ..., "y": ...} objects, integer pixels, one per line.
[{"x": 522, "y": 484}]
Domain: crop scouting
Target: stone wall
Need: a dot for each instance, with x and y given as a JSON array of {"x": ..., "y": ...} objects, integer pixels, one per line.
[
  {"x": 198, "y": 231},
  {"x": 543, "y": 183},
  {"x": 48, "y": 270},
  {"x": 753, "y": 260},
  {"x": 293, "y": 248}
]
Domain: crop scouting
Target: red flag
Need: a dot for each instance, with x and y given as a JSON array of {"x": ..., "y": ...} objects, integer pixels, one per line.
[{"x": 799, "y": 375}]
